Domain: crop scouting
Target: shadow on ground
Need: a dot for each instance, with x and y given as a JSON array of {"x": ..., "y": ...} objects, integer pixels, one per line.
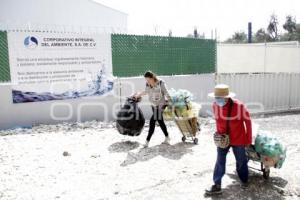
[
  {"x": 123, "y": 146},
  {"x": 174, "y": 152},
  {"x": 259, "y": 188}
]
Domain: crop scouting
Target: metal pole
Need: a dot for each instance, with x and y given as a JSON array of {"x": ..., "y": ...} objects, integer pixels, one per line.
[
  {"x": 290, "y": 90},
  {"x": 249, "y": 32},
  {"x": 216, "y": 57}
]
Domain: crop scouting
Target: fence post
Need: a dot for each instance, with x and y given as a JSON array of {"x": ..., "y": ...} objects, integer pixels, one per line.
[
  {"x": 216, "y": 61},
  {"x": 120, "y": 92},
  {"x": 290, "y": 91},
  {"x": 265, "y": 57}
]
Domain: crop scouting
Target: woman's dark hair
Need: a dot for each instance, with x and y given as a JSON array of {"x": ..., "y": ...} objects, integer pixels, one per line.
[{"x": 149, "y": 74}]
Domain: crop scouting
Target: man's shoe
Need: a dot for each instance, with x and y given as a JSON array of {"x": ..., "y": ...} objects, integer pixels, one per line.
[
  {"x": 244, "y": 186},
  {"x": 167, "y": 140},
  {"x": 214, "y": 190}
]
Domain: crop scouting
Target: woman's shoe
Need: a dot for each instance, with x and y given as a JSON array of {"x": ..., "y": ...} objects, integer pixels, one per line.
[
  {"x": 146, "y": 144},
  {"x": 167, "y": 140}
]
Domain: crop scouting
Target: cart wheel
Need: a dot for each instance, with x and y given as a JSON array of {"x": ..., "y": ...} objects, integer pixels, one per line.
[
  {"x": 183, "y": 139},
  {"x": 196, "y": 141},
  {"x": 266, "y": 173}
]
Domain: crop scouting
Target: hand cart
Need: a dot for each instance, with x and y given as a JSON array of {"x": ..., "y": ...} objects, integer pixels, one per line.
[
  {"x": 189, "y": 127},
  {"x": 265, "y": 162}
]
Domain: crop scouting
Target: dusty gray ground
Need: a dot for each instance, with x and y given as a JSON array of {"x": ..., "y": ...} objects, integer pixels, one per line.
[{"x": 101, "y": 164}]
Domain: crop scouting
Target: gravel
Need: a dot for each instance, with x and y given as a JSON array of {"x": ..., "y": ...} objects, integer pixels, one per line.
[{"x": 92, "y": 161}]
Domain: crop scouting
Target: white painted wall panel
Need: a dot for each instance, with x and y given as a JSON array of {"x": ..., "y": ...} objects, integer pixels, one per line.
[
  {"x": 200, "y": 85},
  {"x": 27, "y": 114},
  {"x": 283, "y": 59},
  {"x": 61, "y": 15},
  {"x": 275, "y": 92},
  {"x": 239, "y": 58},
  {"x": 95, "y": 108},
  {"x": 248, "y": 58},
  {"x": 295, "y": 91}
]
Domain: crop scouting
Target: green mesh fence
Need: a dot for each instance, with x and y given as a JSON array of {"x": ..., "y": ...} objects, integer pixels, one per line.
[
  {"x": 4, "y": 63},
  {"x": 132, "y": 55}
]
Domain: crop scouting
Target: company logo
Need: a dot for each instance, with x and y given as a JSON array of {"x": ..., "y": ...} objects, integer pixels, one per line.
[{"x": 31, "y": 42}]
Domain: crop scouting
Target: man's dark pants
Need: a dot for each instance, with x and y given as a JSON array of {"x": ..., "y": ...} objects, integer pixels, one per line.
[{"x": 241, "y": 163}]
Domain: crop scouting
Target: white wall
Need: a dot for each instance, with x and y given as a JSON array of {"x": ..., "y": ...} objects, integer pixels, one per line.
[
  {"x": 199, "y": 85},
  {"x": 99, "y": 108},
  {"x": 265, "y": 92},
  {"x": 283, "y": 59},
  {"x": 61, "y": 15},
  {"x": 253, "y": 58},
  {"x": 28, "y": 114},
  {"x": 261, "y": 92}
]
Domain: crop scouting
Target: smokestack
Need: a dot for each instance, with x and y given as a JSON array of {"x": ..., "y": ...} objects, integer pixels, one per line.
[{"x": 249, "y": 32}]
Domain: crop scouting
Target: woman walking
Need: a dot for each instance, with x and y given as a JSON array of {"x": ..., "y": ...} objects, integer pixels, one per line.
[{"x": 159, "y": 98}]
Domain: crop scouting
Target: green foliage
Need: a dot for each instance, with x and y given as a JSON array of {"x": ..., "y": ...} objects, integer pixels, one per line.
[
  {"x": 290, "y": 24},
  {"x": 273, "y": 28},
  {"x": 261, "y": 36},
  {"x": 292, "y": 28},
  {"x": 238, "y": 37},
  {"x": 271, "y": 33}
]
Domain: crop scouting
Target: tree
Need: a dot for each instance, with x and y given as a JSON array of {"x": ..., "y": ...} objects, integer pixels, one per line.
[
  {"x": 292, "y": 28},
  {"x": 271, "y": 33},
  {"x": 238, "y": 37},
  {"x": 296, "y": 34},
  {"x": 261, "y": 36},
  {"x": 273, "y": 28},
  {"x": 290, "y": 24}
]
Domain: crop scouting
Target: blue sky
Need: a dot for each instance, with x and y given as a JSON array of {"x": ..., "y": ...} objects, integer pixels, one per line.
[{"x": 181, "y": 16}]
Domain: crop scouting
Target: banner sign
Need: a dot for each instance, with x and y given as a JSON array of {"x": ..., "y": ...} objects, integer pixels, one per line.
[{"x": 52, "y": 66}]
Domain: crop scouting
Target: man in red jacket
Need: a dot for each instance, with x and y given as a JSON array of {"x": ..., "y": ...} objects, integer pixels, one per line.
[{"x": 238, "y": 127}]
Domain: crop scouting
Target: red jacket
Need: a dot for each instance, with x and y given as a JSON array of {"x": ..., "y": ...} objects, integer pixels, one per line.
[{"x": 240, "y": 123}]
